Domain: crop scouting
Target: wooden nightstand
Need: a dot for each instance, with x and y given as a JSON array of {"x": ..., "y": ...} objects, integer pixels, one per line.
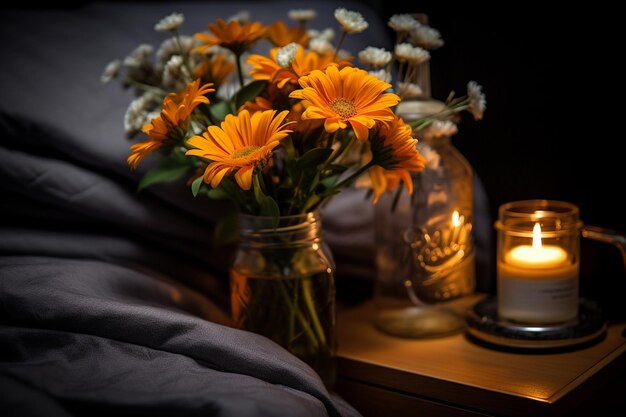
[{"x": 382, "y": 375}]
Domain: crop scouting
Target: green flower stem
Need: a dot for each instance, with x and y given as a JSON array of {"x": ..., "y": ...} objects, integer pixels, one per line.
[
  {"x": 296, "y": 194},
  {"x": 345, "y": 146},
  {"x": 340, "y": 43},
  {"x": 454, "y": 108},
  {"x": 342, "y": 184},
  {"x": 239, "y": 69},
  {"x": 308, "y": 299},
  {"x": 292, "y": 316},
  {"x": 355, "y": 175},
  {"x": 331, "y": 139},
  {"x": 294, "y": 310},
  {"x": 144, "y": 87}
]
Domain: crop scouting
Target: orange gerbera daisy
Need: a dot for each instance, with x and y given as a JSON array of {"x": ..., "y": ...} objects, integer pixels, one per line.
[
  {"x": 170, "y": 124},
  {"x": 265, "y": 68},
  {"x": 280, "y": 35},
  {"x": 395, "y": 153},
  {"x": 232, "y": 35},
  {"x": 348, "y": 96},
  {"x": 214, "y": 69},
  {"x": 240, "y": 144}
]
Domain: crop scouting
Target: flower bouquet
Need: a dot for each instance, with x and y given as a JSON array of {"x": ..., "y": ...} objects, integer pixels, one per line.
[{"x": 278, "y": 134}]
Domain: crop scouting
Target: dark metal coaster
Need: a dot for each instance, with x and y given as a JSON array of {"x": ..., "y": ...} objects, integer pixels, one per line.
[{"x": 485, "y": 325}]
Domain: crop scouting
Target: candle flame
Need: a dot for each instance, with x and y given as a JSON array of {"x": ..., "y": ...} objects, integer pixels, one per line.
[
  {"x": 456, "y": 221},
  {"x": 537, "y": 236}
]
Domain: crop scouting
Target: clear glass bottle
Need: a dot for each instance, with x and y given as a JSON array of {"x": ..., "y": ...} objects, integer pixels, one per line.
[
  {"x": 425, "y": 252},
  {"x": 441, "y": 237},
  {"x": 283, "y": 287}
]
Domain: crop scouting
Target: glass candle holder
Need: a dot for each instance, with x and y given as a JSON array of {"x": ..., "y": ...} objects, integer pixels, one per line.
[{"x": 538, "y": 258}]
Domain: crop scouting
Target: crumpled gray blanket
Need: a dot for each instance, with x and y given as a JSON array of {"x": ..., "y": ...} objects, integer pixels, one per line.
[{"x": 111, "y": 301}]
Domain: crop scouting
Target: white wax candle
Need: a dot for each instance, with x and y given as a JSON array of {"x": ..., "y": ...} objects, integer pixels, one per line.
[{"x": 537, "y": 284}]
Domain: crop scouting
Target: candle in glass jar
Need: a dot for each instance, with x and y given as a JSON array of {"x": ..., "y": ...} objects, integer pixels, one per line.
[{"x": 537, "y": 283}]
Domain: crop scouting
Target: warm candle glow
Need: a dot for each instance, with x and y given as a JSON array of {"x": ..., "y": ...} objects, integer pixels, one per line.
[
  {"x": 531, "y": 257},
  {"x": 537, "y": 236},
  {"x": 537, "y": 256},
  {"x": 456, "y": 221}
]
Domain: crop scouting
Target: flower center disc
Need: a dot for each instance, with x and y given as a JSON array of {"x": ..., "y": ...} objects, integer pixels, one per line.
[
  {"x": 344, "y": 108},
  {"x": 244, "y": 152}
]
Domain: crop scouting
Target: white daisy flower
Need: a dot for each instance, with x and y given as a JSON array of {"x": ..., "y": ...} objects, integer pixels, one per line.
[
  {"x": 477, "y": 100},
  {"x": 382, "y": 74},
  {"x": 321, "y": 46},
  {"x": 327, "y": 34},
  {"x": 140, "y": 56},
  {"x": 286, "y": 54},
  {"x": 431, "y": 155},
  {"x": 414, "y": 54},
  {"x": 350, "y": 21},
  {"x": 409, "y": 90},
  {"x": 175, "y": 73},
  {"x": 426, "y": 37},
  {"x": 376, "y": 57},
  {"x": 171, "y": 47},
  {"x": 170, "y": 23},
  {"x": 440, "y": 129},
  {"x": 403, "y": 22},
  {"x": 111, "y": 71},
  {"x": 242, "y": 17},
  {"x": 138, "y": 113},
  {"x": 302, "y": 15}
]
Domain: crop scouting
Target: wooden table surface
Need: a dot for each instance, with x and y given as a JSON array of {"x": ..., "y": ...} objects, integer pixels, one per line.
[{"x": 456, "y": 372}]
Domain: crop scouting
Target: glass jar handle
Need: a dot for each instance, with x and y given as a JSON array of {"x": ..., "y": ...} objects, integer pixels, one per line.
[{"x": 613, "y": 237}]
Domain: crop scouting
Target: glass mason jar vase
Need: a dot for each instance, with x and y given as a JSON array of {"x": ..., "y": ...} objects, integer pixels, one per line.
[
  {"x": 282, "y": 287},
  {"x": 425, "y": 253}
]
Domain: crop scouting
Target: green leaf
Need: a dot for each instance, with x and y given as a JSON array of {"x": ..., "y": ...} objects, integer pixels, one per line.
[
  {"x": 195, "y": 186},
  {"x": 226, "y": 229},
  {"x": 219, "y": 110},
  {"x": 249, "y": 92},
  {"x": 267, "y": 205},
  {"x": 270, "y": 208},
  {"x": 313, "y": 158},
  {"x": 330, "y": 180},
  {"x": 310, "y": 202},
  {"x": 315, "y": 182},
  {"x": 218, "y": 194},
  {"x": 168, "y": 170},
  {"x": 336, "y": 168}
]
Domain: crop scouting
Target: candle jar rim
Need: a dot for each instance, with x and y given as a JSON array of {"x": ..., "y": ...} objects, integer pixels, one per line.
[{"x": 556, "y": 217}]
